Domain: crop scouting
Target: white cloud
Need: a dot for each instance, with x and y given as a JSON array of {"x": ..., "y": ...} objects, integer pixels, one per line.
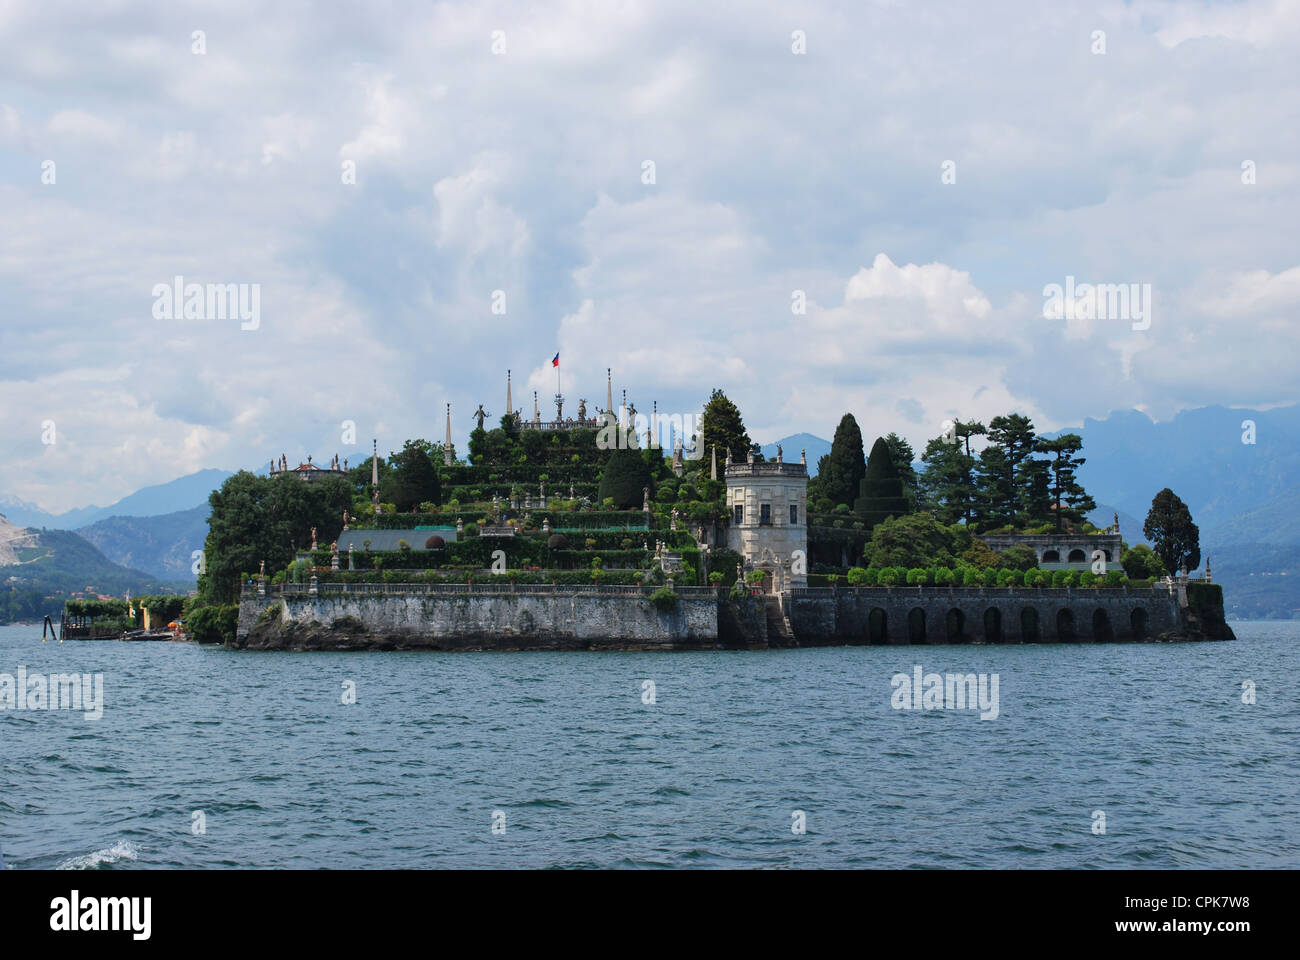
[{"x": 522, "y": 172}]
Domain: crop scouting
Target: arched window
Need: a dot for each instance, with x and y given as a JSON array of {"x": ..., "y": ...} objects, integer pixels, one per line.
[
  {"x": 1051, "y": 556},
  {"x": 1078, "y": 556}
]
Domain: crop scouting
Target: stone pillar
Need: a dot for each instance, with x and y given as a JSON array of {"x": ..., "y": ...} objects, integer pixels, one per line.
[
  {"x": 352, "y": 560},
  {"x": 312, "y": 589}
]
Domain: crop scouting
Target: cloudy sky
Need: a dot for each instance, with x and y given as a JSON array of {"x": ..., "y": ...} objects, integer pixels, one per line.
[{"x": 507, "y": 147}]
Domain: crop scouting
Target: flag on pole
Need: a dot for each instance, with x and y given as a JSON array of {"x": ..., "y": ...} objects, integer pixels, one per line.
[{"x": 555, "y": 362}]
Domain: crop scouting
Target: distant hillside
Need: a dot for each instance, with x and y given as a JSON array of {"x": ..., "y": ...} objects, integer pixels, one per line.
[
  {"x": 39, "y": 569},
  {"x": 161, "y": 546},
  {"x": 1260, "y": 581},
  {"x": 183, "y": 493},
  {"x": 791, "y": 445},
  {"x": 1200, "y": 456}
]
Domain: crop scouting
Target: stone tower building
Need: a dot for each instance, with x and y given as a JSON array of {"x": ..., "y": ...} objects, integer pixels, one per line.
[{"x": 769, "y": 521}]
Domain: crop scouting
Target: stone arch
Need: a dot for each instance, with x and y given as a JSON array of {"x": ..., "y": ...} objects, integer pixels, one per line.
[
  {"x": 954, "y": 626},
  {"x": 877, "y": 626},
  {"x": 992, "y": 625},
  {"x": 1138, "y": 623},
  {"x": 1101, "y": 629},
  {"x": 916, "y": 625},
  {"x": 1051, "y": 556},
  {"x": 1029, "y": 632},
  {"x": 1065, "y": 631},
  {"x": 1078, "y": 556}
]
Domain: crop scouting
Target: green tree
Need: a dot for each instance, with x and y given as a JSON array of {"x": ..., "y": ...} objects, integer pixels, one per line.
[
  {"x": 1068, "y": 497},
  {"x": 914, "y": 540},
  {"x": 880, "y": 494},
  {"x": 1007, "y": 478},
  {"x": 412, "y": 478},
  {"x": 1141, "y": 563},
  {"x": 947, "y": 485},
  {"x": 902, "y": 455},
  {"x": 1175, "y": 539},
  {"x": 723, "y": 429},
  {"x": 840, "y": 472},
  {"x": 624, "y": 479}
]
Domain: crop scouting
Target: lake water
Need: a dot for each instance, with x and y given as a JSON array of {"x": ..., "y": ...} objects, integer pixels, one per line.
[{"x": 562, "y": 750}]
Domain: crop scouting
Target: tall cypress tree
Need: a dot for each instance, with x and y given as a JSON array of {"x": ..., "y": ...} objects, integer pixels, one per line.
[
  {"x": 841, "y": 471},
  {"x": 881, "y": 491}
]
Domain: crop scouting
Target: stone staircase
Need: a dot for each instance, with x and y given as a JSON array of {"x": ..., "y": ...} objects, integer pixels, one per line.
[{"x": 779, "y": 631}]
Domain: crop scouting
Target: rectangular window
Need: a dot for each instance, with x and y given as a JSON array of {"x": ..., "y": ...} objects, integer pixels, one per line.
[
  {"x": 765, "y": 514},
  {"x": 740, "y": 513},
  {"x": 794, "y": 514}
]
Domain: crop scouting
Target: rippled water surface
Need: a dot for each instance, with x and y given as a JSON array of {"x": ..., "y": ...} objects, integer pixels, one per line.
[{"x": 587, "y": 775}]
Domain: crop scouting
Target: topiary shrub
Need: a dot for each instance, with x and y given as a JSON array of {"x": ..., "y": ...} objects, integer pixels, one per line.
[{"x": 435, "y": 542}]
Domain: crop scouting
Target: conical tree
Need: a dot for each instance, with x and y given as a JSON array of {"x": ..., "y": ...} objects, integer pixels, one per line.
[
  {"x": 1174, "y": 538},
  {"x": 880, "y": 493},
  {"x": 723, "y": 428},
  {"x": 841, "y": 471}
]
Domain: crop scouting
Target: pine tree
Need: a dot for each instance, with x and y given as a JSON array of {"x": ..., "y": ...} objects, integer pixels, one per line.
[
  {"x": 1067, "y": 495},
  {"x": 1174, "y": 538},
  {"x": 947, "y": 486},
  {"x": 1006, "y": 475},
  {"x": 842, "y": 469},
  {"x": 881, "y": 491}
]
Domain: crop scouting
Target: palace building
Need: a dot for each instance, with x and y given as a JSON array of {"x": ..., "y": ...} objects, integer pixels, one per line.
[{"x": 768, "y": 502}]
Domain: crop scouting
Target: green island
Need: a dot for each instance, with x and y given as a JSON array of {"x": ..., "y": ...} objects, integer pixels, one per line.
[{"x": 692, "y": 541}]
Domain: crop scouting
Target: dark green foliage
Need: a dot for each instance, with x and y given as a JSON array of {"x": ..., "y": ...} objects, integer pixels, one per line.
[
  {"x": 902, "y": 455},
  {"x": 724, "y": 561},
  {"x": 947, "y": 486},
  {"x": 840, "y": 472},
  {"x": 1018, "y": 558},
  {"x": 625, "y": 478},
  {"x": 1205, "y": 597},
  {"x": 1067, "y": 495},
  {"x": 1005, "y": 473},
  {"x": 214, "y": 623},
  {"x": 266, "y": 518},
  {"x": 1175, "y": 539},
  {"x": 880, "y": 494},
  {"x": 412, "y": 478},
  {"x": 915, "y": 540},
  {"x": 664, "y": 600},
  {"x": 723, "y": 429},
  {"x": 1141, "y": 563}
]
